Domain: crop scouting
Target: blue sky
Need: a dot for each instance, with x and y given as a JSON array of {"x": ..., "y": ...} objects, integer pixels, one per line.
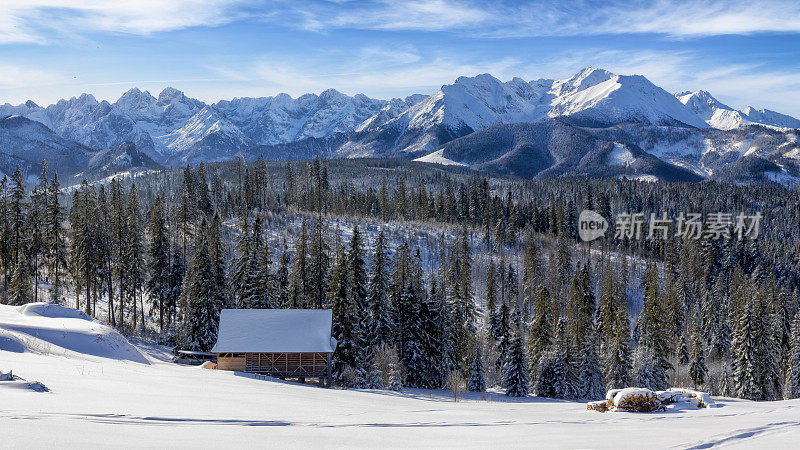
[{"x": 743, "y": 52}]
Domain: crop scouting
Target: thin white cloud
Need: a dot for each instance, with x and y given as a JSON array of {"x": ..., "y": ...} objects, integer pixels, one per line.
[
  {"x": 44, "y": 21},
  {"x": 15, "y": 77},
  {"x": 676, "y": 18}
]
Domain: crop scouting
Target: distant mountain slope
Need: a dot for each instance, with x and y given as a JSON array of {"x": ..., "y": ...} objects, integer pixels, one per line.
[
  {"x": 28, "y": 143},
  {"x": 122, "y": 158},
  {"x": 555, "y": 147}
]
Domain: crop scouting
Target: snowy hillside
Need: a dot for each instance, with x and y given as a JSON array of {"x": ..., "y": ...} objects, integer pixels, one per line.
[
  {"x": 119, "y": 398},
  {"x": 26, "y": 143}
]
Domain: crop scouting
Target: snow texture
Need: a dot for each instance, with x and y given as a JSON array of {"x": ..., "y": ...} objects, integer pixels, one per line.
[
  {"x": 114, "y": 403},
  {"x": 52, "y": 329},
  {"x": 275, "y": 331}
]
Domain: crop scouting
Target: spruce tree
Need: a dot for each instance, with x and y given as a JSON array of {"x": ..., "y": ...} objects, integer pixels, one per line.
[
  {"x": 318, "y": 264},
  {"x": 697, "y": 368},
  {"x": 282, "y": 278},
  {"x": 132, "y": 262},
  {"x": 503, "y": 332},
  {"x": 57, "y": 254},
  {"x": 241, "y": 265},
  {"x": 532, "y": 274},
  {"x": 794, "y": 360},
  {"x": 19, "y": 292},
  {"x": 647, "y": 369},
  {"x": 176, "y": 275},
  {"x": 199, "y": 306},
  {"x": 158, "y": 284},
  {"x": 491, "y": 298},
  {"x": 298, "y": 286},
  {"x": 590, "y": 371},
  {"x": 653, "y": 324},
  {"x": 476, "y": 380},
  {"x": 377, "y": 298},
  {"x": 557, "y": 377},
  {"x": 345, "y": 321},
  {"x": 541, "y": 332},
  {"x": 357, "y": 292},
  {"x": 515, "y": 370}
]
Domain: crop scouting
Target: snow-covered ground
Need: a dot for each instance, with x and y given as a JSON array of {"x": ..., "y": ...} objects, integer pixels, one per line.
[{"x": 96, "y": 401}]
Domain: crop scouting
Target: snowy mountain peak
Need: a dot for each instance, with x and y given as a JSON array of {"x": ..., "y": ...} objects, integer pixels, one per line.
[
  {"x": 170, "y": 95},
  {"x": 135, "y": 99},
  {"x": 700, "y": 102},
  {"x": 31, "y": 104},
  {"x": 586, "y": 78},
  {"x": 480, "y": 79}
]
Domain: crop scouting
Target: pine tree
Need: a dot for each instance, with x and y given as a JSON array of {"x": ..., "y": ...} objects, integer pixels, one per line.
[
  {"x": 582, "y": 308},
  {"x": 345, "y": 320},
  {"x": 515, "y": 370},
  {"x": 199, "y": 296},
  {"x": 357, "y": 292},
  {"x": 19, "y": 292},
  {"x": 132, "y": 262},
  {"x": 380, "y": 311},
  {"x": 476, "y": 381},
  {"x": 697, "y": 368},
  {"x": 6, "y": 250},
  {"x": 265, "y": 283},
  {"x": 794, "y": 360},
  {"x": 618, "y": 354},
  {"x": 251, "y": 290},
  {"x": 541, "y": 332},
  {"x": 216, "y": 251},
  {"x": 557, "y": 376},
  {"x": 282, "y": 278},
  {"x": 176, "y": 276},
  {"x": 683, "y": 352},
  {"x": 319, "y": 265},
  {"x": 241, "y": 265},
  {"x": 57, "y": 254},
  {"x": 648, "y": 372},
  {"x": 159, "y": 268},
  {"x": 298, "y": 286},
  {"x": 590, "y": 371},
  {"x": 413, "y": 356},
  {"x": 491, "y": 298},
  {"x": 756, "y": 362},
  {"x": 504, "y": 335},
  {"x": 82, "y": 242},
  {"x": 37, "y": 210},
  {"x": 653, "y": 324},
  {"x": 532, "y": 273}
]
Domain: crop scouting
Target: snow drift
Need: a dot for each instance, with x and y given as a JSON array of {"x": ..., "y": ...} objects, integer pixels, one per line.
[{"x": 53, "y": 329}]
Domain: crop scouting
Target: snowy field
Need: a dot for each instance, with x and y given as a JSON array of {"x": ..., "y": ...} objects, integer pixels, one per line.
[{"x": 100, "y": 397}]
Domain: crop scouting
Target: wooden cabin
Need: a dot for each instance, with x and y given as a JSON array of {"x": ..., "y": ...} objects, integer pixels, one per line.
[{"x": 281, "y": 343}]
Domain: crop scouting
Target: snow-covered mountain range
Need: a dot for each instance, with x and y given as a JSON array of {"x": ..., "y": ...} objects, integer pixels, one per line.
[{"x": 174, "y": 129}]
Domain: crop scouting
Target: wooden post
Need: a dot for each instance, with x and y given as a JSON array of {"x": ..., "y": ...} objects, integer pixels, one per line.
[{"x": 328, "y": 370}]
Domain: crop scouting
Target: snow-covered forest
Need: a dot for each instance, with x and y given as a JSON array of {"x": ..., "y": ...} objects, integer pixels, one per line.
[{"x": 440, "y": 273}]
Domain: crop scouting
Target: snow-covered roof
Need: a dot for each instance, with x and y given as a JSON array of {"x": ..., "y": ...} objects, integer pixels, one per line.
[{"x": 275, "y": 331}]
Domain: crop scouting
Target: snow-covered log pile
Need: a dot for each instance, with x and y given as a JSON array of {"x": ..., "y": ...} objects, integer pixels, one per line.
[{"x": 634, "y": 399}]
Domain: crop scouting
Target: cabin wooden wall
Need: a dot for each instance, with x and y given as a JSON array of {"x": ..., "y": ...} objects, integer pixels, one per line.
[
  {"x": 236, "y": 363},
  {"x": 289, "y": 365}
]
